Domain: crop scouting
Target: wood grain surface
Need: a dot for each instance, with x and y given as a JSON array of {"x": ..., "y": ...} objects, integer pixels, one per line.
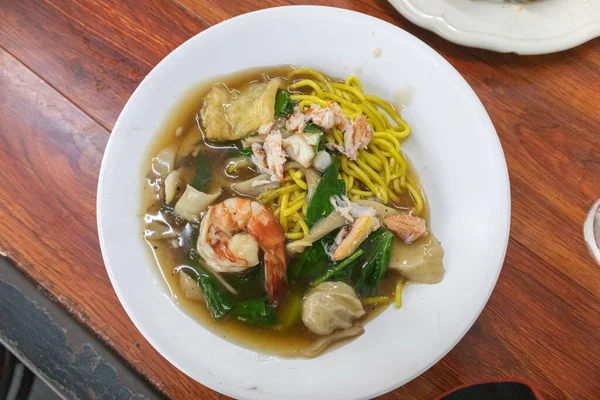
[{"x": 67, "y": 68}]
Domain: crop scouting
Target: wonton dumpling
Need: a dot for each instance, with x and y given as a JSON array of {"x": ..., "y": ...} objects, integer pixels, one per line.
[
  {"x": 214, "y": 120},
  {"x": 331, "y": 306},
  {"x": 232, "y": 116},
  {"x": 420, "y": 261}
]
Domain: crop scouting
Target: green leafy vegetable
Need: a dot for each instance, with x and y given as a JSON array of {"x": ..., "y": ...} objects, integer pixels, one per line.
[
  {"x": 321, "y": 145},
  {"x": 245, "y": 151},
  {"x": 283, "y": 104},
  {"x": 329, "y": 185},
  {"x": 368, "y": 270},
  {"x": 203, "y": 176},
  {"x": 313, "y": 262},
  {"x": 338, "y": 267},
  {"x": 218, "y": 302},
  {"x": 255, "y": 312},
  {"x": 312, "y": 128},
  {"x": 364, "y": 269},
  {"x": 290, "y": 310}
]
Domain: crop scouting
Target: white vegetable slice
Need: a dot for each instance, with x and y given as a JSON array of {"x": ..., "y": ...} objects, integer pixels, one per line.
[
  {"x": 171, "y": 184},
  {"x": 322, "y": 160},
  {"x": 189, "y": 287},
  {"x": 299, "y": 150},
  {"x": 164, "y": 162},
  {"x": 312, "y": 138},
  {"x": 193, "y": 202}
]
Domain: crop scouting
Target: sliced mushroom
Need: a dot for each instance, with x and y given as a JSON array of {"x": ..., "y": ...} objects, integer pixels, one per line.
[
  {"x": 254, "y": 186},
  {"x": 332, "y": 222},
  {"x": 381, "y": 210}
]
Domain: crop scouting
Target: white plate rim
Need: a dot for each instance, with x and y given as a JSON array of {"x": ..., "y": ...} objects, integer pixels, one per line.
[
  {"x": 492, "y": 41},
  {"x": 439, "y": 59}
]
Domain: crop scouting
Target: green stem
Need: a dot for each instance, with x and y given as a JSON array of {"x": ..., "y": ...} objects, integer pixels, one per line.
[{"x": 349, "y": 260}]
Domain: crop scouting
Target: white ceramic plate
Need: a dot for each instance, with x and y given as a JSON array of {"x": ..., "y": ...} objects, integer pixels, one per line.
[
  {"x": 454, "y": 146},
  {"x": 544, "y": 26},
  {"x": 590, "y": 228}
]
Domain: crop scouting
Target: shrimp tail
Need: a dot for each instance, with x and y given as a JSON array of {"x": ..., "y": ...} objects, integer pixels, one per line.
[{"x": 275, "y": 276}]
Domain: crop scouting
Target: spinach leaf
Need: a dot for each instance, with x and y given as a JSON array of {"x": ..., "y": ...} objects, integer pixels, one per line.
[
  {"x": 340, "y": 266},
  {"x": 312, "y": 128},
  {"x": 283, "y": 104},
  {"x": 255, "y": 312},
  {"x": 329, "y": 185},
  {"x": 321, "y": 145},
  {"x": 368, "y": 271},
  {"x": 249, "y": 284},
  {"x": 313, "y": 262},
  {"x": 245, "y": 151},
  {"x": 203, "y": 176},
  {"x": 218, "y": 302}
]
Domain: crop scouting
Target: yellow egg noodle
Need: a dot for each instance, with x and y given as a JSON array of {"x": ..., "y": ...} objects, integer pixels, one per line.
[{"x": 379, "y": 171}]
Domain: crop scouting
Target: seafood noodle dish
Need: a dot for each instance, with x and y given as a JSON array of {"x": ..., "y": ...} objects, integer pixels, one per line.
[{"x": 282, "y": 212}]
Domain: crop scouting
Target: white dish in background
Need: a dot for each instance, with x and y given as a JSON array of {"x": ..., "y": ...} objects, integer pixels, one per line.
[
  {"x": 540, "y": 27},
  {"x": 591, "y": 231},
  {"x": 454, "y": 147}
]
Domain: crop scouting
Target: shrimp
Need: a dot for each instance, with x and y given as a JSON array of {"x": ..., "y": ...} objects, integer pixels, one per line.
[
  {"x": 231, "y": 234},
  {"x": 406, "y": 227}
]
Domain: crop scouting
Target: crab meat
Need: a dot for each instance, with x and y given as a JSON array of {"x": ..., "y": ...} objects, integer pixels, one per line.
[
  {"x": 265, "y": 128},
  {"x": 323, "y": 117},
  {"x": 362, "y": 227},
  {"x": 406, "y": 227},
  {"x": 270, "y": 157},
  {"x": 296, "y": 122},
  {"x": 340, "y": 119},
  {"x": 350, "y": 210},
  {"x": 357, "y": 136},
  {"x": 299, "y": 150}
]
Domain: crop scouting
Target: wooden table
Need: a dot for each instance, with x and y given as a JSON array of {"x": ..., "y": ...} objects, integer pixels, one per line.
[{"x": 67, "y": 68}]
